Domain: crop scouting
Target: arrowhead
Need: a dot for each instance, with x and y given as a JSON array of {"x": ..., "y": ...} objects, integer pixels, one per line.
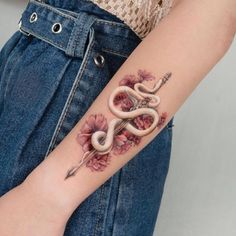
[{"x": 71, "y": 172}]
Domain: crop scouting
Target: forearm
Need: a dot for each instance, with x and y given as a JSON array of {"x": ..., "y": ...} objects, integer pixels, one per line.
[{"x": 187, "y": 43}]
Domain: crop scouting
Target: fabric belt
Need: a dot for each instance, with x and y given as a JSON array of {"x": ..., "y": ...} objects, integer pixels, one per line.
[{"x": 65, "y": 30}]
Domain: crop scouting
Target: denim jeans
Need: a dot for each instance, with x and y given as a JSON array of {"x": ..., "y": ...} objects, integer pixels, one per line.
[{"x": 51, "y": 70}]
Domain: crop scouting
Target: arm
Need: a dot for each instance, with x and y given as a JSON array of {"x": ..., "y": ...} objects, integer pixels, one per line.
[{"x": 187, "y": 44}]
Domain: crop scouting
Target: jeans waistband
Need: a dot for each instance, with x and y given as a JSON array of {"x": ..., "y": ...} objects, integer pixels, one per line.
[{"x": 65, "y": 29}]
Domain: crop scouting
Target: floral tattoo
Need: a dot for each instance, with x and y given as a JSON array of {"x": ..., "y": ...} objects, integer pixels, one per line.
[{"x": 134, "y": 106}]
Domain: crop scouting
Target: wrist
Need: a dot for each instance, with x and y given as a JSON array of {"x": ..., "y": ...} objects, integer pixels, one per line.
[{"x": 45, "y": 187}]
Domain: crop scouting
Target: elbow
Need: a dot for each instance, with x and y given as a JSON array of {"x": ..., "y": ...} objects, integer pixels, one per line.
[
  {"x": 228, "y": 30},
  {"x": 229, "y": 14},
  {"x": 225, "y": 23},
  {"x": 217, "y": 17}
]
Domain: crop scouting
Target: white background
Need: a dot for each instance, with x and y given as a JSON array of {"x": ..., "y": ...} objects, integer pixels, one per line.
[{"x": 200, "y": 191}]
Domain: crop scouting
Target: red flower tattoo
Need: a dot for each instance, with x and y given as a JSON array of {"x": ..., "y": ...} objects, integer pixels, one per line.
[
  {"x": 129, "y": 80},
  {"x": 92, "y": 124},
  {"x": 124, "y": 141},
  {"x": 143, "y": 121},
  {"x": 123, "y": 101},
  {"x": 99, "y": 162},
  {"x": 121, "y": 144},
  {"x": 144, "y": 75}
]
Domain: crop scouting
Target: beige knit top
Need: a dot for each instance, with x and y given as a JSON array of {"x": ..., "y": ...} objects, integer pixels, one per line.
[{"x": 140, "y": 15}]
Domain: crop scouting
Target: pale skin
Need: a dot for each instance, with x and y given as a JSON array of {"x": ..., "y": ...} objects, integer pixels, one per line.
[{"x": 188, "y": 43}]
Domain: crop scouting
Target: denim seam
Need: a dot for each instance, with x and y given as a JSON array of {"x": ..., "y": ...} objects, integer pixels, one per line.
[
  {"x": 61, "y": 75},
  {"x": 72, "y": 95},
  {"x": 54, "y": 9},
  {"x": 114, "y": 52},
  {"x": 44, "y": 16},
  {"x": 82, "y": 39},
  {"x": 70, "y": 98},
  {"x": 44, "y": 39},
  {"x": 71, "y": 36}
]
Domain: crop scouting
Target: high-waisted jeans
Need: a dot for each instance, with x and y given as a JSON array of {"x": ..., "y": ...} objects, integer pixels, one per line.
[{"x": 51, "y": 70}]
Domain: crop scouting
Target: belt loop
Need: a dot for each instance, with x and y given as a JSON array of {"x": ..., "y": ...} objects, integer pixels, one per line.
[{"x": 77, "y": 42}]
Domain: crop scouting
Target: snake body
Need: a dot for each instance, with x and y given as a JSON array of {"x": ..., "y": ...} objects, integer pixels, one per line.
[{"x": 139, "y": 93}]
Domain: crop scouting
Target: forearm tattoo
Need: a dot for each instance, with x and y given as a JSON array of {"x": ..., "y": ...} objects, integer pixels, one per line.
[{"x": 135, "y": 108}]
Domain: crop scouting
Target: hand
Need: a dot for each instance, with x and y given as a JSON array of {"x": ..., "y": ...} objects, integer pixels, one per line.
[{"x": 26, "y": 212}]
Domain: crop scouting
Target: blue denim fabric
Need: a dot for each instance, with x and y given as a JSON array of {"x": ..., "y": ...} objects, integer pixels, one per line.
[{"x": 47, "y": 82}]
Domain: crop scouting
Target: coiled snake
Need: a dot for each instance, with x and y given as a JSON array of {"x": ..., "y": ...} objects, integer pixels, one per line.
[{"x": 145, "y": 101}]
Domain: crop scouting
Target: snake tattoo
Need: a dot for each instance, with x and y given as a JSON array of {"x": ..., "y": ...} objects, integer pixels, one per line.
[{"x": 129, "y": 103}]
